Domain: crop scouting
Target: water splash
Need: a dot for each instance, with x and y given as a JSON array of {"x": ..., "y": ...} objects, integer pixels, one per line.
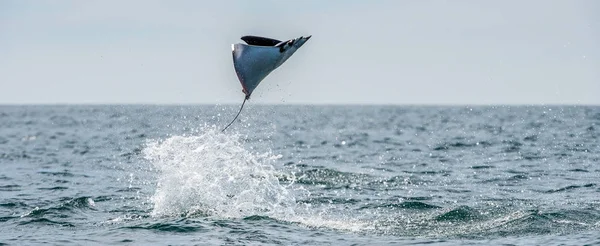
[{"x": 212, "y": 174}]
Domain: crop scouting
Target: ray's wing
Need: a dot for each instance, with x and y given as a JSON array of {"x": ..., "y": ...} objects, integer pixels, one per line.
[
  {"x": 253, "y": 62},
  {"x": 260, "y": 41}
]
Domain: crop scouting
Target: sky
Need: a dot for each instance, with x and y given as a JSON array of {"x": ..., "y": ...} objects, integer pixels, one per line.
[{"x": 399, "y": 52}]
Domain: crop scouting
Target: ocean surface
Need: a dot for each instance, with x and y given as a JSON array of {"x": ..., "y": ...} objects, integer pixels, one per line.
[{"x": 299, "y": 175}]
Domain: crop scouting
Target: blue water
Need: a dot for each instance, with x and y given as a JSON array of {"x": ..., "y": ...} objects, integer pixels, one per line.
[{"x": 299, "y": 175}]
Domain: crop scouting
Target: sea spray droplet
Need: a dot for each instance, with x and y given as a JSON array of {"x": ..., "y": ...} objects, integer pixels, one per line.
[
  {"x": 213, "y": 174},
  {"x": 91, "y": 202}
]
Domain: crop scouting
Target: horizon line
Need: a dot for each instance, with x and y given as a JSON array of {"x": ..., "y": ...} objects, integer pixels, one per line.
[{"x": 4, "y": 104}]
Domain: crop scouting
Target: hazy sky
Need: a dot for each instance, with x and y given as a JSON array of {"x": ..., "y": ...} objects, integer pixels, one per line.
[{"x": 368, "y": 52}]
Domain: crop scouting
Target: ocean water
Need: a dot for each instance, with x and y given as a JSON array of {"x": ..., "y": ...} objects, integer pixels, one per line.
[{"x": 299, "y": 175}]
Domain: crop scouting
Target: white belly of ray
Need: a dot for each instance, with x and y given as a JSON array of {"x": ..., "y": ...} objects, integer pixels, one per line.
[{"x": 254, "y": 63}]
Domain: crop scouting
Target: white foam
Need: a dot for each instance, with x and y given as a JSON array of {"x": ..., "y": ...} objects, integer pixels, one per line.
[{"x": 213, "y": 174}]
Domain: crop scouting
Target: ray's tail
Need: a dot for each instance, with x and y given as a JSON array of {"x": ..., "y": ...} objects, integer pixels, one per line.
[{"x": 238, "y": 114}]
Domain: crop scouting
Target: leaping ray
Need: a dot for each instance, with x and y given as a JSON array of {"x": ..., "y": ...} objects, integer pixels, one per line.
[{"x": 259, "y": 57}]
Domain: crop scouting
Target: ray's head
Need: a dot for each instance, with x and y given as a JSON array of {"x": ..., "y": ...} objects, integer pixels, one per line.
[
  {"x": 289, "y": 47},
  {"x": 293, "y": 43}
]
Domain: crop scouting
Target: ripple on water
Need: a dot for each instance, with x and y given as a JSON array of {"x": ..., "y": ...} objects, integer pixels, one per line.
[
  {"x": 12, "y": 187},
  {"x": 63, "y": 209},
  {"x": 411, "y": 205},
  {"x": 45, "y": 221},
  {"x": 570, "y": 187},
  {"x": 459, "y": 214},
  {"x": 177, "y": 227}
]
